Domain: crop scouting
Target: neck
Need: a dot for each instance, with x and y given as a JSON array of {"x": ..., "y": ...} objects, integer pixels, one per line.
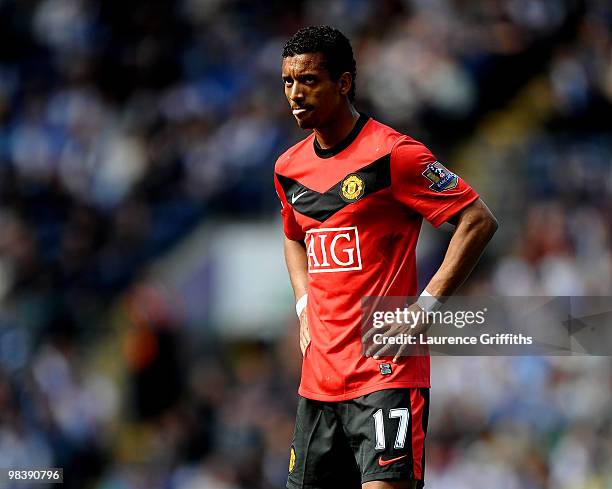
[{"x": 338, "y": 128}]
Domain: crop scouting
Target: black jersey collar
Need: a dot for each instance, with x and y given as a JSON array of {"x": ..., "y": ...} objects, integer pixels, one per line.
[{"x": 334, "y": 150}]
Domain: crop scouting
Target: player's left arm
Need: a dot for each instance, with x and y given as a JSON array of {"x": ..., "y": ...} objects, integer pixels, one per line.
[
  {"x": 422, "y": 183},
  {"x": 475, "y": 225}
]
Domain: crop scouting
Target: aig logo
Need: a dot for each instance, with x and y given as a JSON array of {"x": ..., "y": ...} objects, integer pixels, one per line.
[{"x": 333, "y": 250}]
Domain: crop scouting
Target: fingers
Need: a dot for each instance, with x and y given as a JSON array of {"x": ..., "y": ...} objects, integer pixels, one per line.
[
  {"x": 387, "y": 349},
  {"x": 401, "y": 351},
  {"x": 304, "y": 340},
  {"x": 397, "y": 339},
  {"x": 304, "y": 333},
  {"x": 377, "y": 350},
  {"x": 369, "y": 334}
]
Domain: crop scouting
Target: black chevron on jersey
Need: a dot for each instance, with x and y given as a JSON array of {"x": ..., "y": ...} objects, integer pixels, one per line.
[{"x": 321, "y": 206}]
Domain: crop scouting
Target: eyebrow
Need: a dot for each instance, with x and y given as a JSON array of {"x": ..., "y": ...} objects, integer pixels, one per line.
[{"x": 301, "y": 75}]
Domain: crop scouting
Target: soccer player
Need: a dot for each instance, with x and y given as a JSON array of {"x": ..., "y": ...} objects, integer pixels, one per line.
[{"x": 353, "y": 194}]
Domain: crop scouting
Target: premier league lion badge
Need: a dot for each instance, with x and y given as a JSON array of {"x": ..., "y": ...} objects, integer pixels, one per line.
[{"x": 442, "y": 179}]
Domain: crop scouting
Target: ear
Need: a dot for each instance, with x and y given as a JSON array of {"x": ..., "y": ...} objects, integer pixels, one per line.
[{"x": 345, "y": 82}]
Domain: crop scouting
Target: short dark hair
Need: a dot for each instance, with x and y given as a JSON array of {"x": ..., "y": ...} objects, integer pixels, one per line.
[{"x": 335, "y": 47}]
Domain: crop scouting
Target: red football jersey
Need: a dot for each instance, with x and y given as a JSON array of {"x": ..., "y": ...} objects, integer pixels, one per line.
[{"x": 358, "y": 207}]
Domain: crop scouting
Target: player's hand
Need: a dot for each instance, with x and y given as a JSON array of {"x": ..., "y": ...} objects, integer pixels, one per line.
[
  {"x": 304, "y": 332},
  {"x": 397, "y": 329}
]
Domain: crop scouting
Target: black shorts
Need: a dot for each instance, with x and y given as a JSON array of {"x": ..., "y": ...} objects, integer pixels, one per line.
[{"x": 379, "y": 436}]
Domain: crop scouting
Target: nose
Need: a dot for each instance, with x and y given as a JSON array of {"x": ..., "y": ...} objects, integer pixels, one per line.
[{"x": 295, "y": 93}]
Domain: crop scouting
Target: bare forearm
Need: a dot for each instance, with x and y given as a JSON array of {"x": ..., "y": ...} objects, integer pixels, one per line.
[
  {"x": 297, "y": 266},
  {"x": 475, "y": 227}
]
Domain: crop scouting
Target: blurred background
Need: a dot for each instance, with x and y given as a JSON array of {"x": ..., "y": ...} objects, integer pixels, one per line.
[{"x": 147, "y": 332}]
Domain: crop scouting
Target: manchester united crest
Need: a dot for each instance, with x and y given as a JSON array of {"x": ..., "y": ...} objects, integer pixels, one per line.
[{"x": 352, "y": 188}]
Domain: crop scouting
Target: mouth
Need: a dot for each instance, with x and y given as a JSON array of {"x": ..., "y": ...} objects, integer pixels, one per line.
[{"x": 299, "y": 111}]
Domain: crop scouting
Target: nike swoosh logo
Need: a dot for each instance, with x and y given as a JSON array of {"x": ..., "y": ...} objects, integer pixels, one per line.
[
  {"x": 383, "y": 463},
  {"x": 294, "y": 198}
]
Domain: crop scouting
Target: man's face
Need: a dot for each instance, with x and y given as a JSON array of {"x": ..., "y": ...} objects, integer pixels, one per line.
[{"x": 313, "y": 96}]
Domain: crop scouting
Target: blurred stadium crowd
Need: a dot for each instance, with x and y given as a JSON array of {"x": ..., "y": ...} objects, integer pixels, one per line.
[{"x": 124, "y": 125}]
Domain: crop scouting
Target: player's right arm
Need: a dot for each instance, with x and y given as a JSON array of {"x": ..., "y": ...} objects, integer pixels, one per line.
[
  {"x": 296, "y": 259},
  {"x": 297, "y": 266}
]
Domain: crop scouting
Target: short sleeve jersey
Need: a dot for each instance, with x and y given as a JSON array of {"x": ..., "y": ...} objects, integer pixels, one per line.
[{"x": 358, "y": 208}]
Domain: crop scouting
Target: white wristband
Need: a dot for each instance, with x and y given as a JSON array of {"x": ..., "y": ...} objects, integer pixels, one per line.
[
  {"x": 428, "y": 302},
  {"x": 300, "y": 305}
]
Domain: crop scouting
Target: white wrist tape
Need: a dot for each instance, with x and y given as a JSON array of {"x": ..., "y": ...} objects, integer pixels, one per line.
[
  {"x": 428, "y": 302},
  {"x": 300, "y": 305}
]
